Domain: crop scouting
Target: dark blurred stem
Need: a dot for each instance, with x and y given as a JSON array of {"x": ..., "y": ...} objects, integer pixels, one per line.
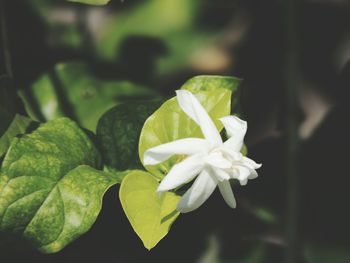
[
  {"x": 82, "y": 14},
  {"x": 291, "y": 128},
  {"x": 4, "y": 39}
]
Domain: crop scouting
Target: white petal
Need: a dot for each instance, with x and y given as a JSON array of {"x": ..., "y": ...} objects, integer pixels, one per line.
[
  {"x": 250, "y": 163},
  {"x": 163, "y": 152},
  {"x": 199, "y": 192},
  {"x": 234, "y": 125},
  {"x": 182, "y": 173},
  {"x": 243, "y": 182},
  {"x": 234, "y": 156},
  {"x": 246, "y": 173},
  {"x": 253, "y": 175},
  {"x": 234, "y": 173},
  {"x": 217, "y": 160},
  {"x": 227, "y": 194},
  {"x": 220, "y": 174},
  {"x": 192, "y": 107},
  {"x": 236, "y": 130}
]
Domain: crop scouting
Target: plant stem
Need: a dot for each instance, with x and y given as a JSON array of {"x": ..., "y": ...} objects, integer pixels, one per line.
[
  {"x": 5, "y": 43},
  {"x": 291, "y": 128}
]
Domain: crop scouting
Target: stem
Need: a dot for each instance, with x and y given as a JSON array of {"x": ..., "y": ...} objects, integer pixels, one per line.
[
  {"x": 5, "y": 43},
  {"x": 291, "y": 126}
]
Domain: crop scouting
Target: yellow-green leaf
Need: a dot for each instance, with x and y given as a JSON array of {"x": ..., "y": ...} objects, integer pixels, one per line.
[{"x": 150, "y": 215}]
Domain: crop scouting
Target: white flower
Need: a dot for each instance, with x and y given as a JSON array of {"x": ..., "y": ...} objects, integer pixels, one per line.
[{"x": 213, "y": 161}]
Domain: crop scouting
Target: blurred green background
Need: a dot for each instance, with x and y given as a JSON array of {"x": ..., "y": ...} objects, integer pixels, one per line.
[{"x": 79, "y": 61}]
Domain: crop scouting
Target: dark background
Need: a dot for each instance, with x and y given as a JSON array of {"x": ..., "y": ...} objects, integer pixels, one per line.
[{"x": 295, "y": 64}]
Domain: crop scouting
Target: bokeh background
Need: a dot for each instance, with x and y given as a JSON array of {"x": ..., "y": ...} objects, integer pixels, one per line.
[{"x": 79, "y": 61}]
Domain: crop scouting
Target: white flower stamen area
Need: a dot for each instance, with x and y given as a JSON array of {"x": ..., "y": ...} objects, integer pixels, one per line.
[{"x": 210, "y": 161}]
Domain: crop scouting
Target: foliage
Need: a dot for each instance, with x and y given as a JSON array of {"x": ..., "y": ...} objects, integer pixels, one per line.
[
  {"x": 166, "y": 124},
  {"x": 51, "y": 188},
  {"x": 72, "y": 90},
  {"x": 111, "y": 68},
  {"x": 50, "y": 192},
  {"x": 149, "y": 214},
  {"x": 19, "y": 125},
  {"x": 118, "y": 132}
]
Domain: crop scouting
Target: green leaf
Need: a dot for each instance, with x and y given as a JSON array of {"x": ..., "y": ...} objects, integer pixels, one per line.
[
  {"x": 151, "y": 216},
  {"x": 91, "y": 2},
  {"x": 19, "y": 125},
  {"x": 118, "y": 133},
  {"x": 72, "y": 90},
  {"x": 208, "y": 83},
  {"x": 212, "y": 83},
  {"x": 48, "y": 193},
  {"x": 170, "y": 123}
]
